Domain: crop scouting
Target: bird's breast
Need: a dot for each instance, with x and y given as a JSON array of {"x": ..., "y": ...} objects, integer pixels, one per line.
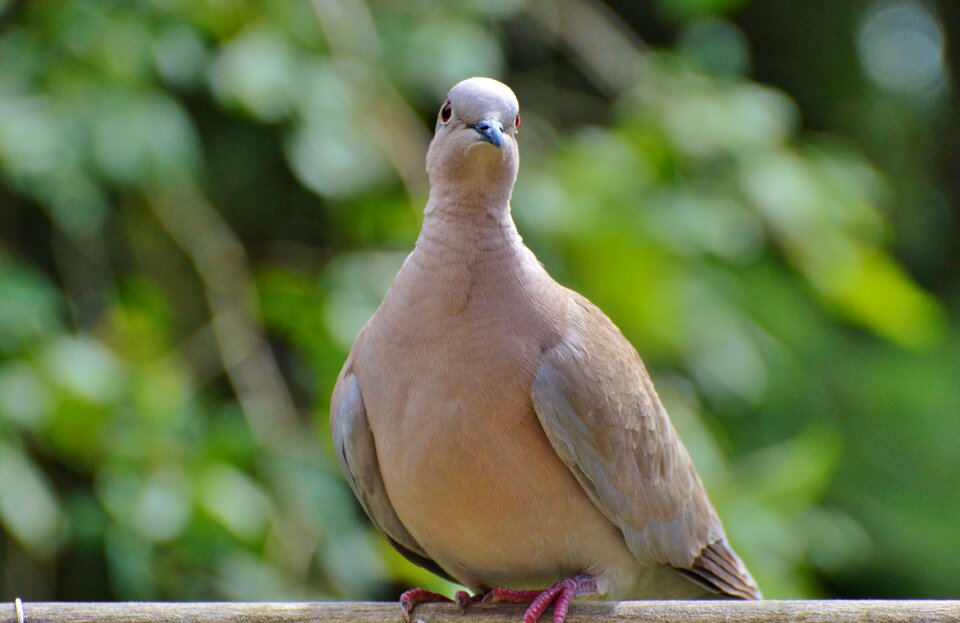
[{"x": 465, "y": 461}]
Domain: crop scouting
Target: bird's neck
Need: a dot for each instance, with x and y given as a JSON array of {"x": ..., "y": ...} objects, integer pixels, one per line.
[
  {"x": 468, "y": 228},
  {"x": 469, "y": 262},
  {"x": 471, "y": 194}
]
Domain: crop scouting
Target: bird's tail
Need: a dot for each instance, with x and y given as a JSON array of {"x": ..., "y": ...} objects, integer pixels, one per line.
[{"x": 720, "y": 570}]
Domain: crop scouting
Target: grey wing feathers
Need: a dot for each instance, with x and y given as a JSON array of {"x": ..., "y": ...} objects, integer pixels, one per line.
[
  {"x": 357, "y": 454},
  {"x": 602, "y": 415}
]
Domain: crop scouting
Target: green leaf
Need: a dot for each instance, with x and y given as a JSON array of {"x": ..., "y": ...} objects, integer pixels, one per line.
[{"x": 29, "y": 509}]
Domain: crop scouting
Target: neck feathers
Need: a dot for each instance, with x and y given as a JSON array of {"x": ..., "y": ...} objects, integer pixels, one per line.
[
  {"x": 467, "y": 231},
  {"x": 467, "y": 201}
]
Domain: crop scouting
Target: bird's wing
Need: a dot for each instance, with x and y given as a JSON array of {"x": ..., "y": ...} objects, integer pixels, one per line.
[
  {"x": 598, "y": 407},
  {"x": 357, "y": 453}
]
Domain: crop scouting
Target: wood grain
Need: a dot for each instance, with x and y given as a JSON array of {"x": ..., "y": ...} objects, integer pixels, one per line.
[{"x": 587, "y": 612}]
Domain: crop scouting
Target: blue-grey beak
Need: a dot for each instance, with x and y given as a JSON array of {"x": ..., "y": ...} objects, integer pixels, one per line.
[{"x": 490, "y": 131}]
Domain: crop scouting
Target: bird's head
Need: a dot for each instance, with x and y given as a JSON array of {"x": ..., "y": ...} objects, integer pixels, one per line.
[{"x": 475, "y": 143}]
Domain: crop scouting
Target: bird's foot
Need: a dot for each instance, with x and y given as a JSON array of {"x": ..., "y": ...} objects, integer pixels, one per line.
[
  {"x": 411, "y": 598},
  {"x": 560, "y": 595}
]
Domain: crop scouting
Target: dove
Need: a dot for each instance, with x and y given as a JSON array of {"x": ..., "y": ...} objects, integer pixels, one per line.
[{"x": 498, "y": 428}]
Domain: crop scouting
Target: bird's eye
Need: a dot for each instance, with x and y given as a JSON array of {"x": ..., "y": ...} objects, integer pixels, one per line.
[
  {"x": 446, "y": 112},
  {"x": 516, "y": 123}
]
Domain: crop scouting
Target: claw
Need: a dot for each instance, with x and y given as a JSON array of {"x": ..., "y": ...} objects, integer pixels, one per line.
[{"x": 464, "y": 599}]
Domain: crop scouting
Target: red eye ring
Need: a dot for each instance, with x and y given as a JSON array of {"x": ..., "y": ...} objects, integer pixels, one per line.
[
  {"x": 516, "y": 123},
  {"x": 446, "y": 112}
]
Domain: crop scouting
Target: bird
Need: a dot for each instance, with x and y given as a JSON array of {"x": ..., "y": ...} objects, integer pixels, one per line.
[{"x": 498, "y": 428}]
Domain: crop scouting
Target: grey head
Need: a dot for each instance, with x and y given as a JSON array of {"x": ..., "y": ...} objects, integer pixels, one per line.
[{"x": 475, "y": 137}]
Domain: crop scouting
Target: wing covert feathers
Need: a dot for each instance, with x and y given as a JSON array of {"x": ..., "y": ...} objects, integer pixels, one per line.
[
  {"x": 598, "y": 408},
  {"x": 357, "y": 454}
]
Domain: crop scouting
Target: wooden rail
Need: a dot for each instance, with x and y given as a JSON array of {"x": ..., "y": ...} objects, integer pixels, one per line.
[{"x": 586, "y": 612}]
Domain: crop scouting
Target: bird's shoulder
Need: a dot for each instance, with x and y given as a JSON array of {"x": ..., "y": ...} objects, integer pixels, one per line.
[{"x": 590, "y": 347}]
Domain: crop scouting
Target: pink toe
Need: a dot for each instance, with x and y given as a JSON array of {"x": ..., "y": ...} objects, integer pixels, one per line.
[{"x": 561, "y": 595}]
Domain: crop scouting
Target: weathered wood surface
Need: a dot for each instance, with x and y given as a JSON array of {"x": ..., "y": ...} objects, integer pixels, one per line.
[
  {"x": 592, "y": 612},
  {"x": 807, "y": 611}
]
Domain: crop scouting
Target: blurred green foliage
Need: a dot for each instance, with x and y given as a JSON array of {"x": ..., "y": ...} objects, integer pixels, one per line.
[{"x": 202, "y": 202}]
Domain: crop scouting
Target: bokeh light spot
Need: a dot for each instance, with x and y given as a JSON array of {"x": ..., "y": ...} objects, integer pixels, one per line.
[{"x": 901, "y": 47}]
